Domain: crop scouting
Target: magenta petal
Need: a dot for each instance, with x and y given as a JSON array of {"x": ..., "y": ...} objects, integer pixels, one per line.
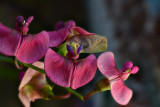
[
  {"x": 124, "y": 76},
  {"x": 84, "y": 71},
  {"x": 19, "y": 20},
  {"x": 29, "y": 20},
  {"x": 33, "y": 47},
  {"x": 134, "y": 70},
  {"x": 120, "y": 92},
  {"x": 128, "y": 65},
  {"x": 62, "y": 30},
  {"x": 107, "y": 66},
  {"x": 8, "y": 40},
  {"x": 70, "y": 25},
  {"x": 57, "y": 37},
  {"x": 81, "y": 31},
  {"x": 58, "y": 68}
]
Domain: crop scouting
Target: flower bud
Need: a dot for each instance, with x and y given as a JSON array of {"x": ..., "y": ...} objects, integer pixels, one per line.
[{"x": 102, "y": 85}]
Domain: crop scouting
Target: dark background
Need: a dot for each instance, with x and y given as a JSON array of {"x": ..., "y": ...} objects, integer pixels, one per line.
[{"x": 133, "y": 31}]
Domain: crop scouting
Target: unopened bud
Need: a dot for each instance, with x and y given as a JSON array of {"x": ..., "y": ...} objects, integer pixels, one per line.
[{"x": 102, "y": 85}]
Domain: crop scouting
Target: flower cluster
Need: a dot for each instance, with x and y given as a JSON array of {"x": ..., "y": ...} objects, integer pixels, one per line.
[{"x": 62, "y": 64}]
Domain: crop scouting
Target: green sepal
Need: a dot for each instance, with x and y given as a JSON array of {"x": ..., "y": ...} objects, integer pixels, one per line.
[
  {"x": 102, "y": 85},
  {"x": 46, "y": 92},
  {"x": 29, "y": 90},
  {"x": 62, "y": 49}
]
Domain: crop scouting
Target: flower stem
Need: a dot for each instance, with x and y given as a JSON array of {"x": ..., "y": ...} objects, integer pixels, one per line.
[
  {"x": 6, "y": 59},
  {"x": 74, "y": 92},
  {"x": 34, "y": 67},
  {"x": 89, "y": 95},
  {"x": 10, "y": 60}
]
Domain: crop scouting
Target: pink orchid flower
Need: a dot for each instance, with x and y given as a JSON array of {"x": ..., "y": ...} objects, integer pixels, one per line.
[
  {"x": 69, "y": 32},
  {"x": 120, "y": 92},
  {"x": 31, "y": 78},
  {"x": 27, "y": 48},
  {"x": 63, "y": 31},
  {"x": 32, "y": 85},
  {"x": 67, "y": 71}
]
